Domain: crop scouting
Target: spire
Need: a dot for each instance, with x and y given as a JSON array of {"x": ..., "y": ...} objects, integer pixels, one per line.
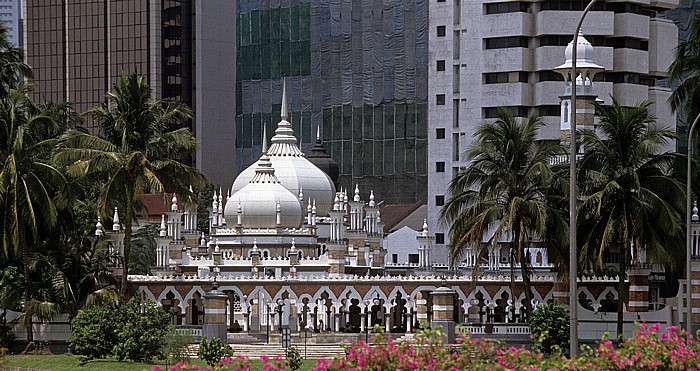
[
  {"x": 215, "y": 202},
  {"x": 294, "y": 246},
  {"x": 371, "y": 198},
  {"x": 264, "y": 140},
  {"x": 357, "y": 193},
  {"x": 163, "y": 231},
  {"x": 425, "y": 228},
  {"x": 301, "y": 195},
  {"x": 116, "y": 227},
  {"x": 318, "y": 134},
  {"x": 695, "y": 212},
  {"x": 283, "y": 112},
  {"x": 202, "y": 241},
  {"x": 173, "y": 207}
]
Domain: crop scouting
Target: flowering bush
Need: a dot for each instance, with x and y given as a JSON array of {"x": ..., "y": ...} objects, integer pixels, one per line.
[{"x": 649, "y": 349}]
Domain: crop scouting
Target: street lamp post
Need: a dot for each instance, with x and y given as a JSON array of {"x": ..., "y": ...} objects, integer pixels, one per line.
[
  {"x": 688, "y": 241},
  {"x": 280, "y": 303},
  {"x": 269, "y": 309},
  {"x": 573, "y": 261}
]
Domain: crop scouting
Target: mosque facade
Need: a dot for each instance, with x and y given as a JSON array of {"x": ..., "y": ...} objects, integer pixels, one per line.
[{"x": 287, "y": 248}]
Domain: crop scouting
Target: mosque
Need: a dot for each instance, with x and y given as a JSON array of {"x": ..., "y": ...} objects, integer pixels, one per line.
[{"x": 288, "y": 248}]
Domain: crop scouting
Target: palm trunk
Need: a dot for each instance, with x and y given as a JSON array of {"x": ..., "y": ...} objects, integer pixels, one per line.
[
  {"x": 512, "y": 276},
  {"x": 127, "y": 244},
  {"x": 526, "y": 277},
  {"x": 621, "y": 292},
  {"x": 25, "y": 265}
]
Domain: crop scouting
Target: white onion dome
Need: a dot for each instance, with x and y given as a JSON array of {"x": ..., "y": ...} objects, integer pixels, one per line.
[
  {"x": 258, "y": 201},
  {"x": 585, "y": 55},
  {"x": 293, "y": 170}
]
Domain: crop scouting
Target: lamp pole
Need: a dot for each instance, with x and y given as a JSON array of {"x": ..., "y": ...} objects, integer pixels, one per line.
[
  {"x": 688, "y": 240},
  {"x": 269, "y": 309},
  {"x": 367, "y": 321},
  {"x": 573, "y": 261}
]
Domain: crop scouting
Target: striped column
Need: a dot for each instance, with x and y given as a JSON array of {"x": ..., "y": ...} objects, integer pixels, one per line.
[
  {"x": 638, "y": 298},
  {"x": 443, "y": 313},
  {"x": 215, "y": 314}
]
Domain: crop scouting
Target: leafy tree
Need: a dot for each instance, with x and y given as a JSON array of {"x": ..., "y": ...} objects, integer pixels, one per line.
[
  {"x": 632, "y": 205},
  {"x": 137, "y": 153},
  {"x": 549, "y": 326},
  {"x": 29, "y": 182},
  {"x": 95, "y": 331},
  {"x": 503, "y": 191},
  {"x": 141, "y": 338}
]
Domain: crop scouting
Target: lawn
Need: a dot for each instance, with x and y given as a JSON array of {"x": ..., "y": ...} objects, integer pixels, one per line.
[{"x": 71, "y": 363}]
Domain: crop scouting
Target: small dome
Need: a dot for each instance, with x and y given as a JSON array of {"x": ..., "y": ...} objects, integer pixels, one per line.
[
  {"x": 260, "y": 198},
  {"x": 293, "y": 170},
  {"x": 585, "y": 56},
  {"x": 323, "y": 160}
]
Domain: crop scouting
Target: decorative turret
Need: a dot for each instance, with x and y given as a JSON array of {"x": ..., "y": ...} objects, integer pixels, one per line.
[
  {"x": 586, "y": 69},
  {"x": 425, "y": 247},
  {"x": 163, "y": 229}
]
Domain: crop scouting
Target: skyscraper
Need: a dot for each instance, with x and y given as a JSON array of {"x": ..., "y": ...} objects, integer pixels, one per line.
[
  {"x": 486, "y": 54},
  {"x": 11, "y": 17},
  {"x": 77, "y": 50},
  {"x": 358, "y": 69}
]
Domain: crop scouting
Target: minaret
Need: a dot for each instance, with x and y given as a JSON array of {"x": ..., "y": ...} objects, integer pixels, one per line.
[
  {"x": 337, "y": 242},
  {"x": 357, "y": 234},
  {"x": 585, "y": 96},
  {"x": 425, "y": 247}
]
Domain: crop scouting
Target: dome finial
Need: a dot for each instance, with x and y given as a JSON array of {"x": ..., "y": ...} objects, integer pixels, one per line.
[
  {"x": 173, "y": 207},
  {"x": 357, "y": 193},
  {"x": 371, "y": 198},
  {"x": 283, "y": 112},
  {"x": 98, "y": 227},
  {"x": 116, "y": 227}
]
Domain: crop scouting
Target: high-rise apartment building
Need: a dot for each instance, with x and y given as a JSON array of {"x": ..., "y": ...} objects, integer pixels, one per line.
[
  {"x": 486, "y": 54},
  {"x": 355, "y": 68},
  {"x": 77, "y": 50},
  {"x": 11, "y": 17}
]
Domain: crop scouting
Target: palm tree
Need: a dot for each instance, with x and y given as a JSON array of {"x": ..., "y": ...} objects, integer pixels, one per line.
[
  {"x": 13, "y": 70},
  {"x": 29, "y": 183},
  {"x": 503, "y": 191},
  {"x": 137, "y": 152},
  {"x": 686, "y": 70},
  {"x": 632, "y": 204}
]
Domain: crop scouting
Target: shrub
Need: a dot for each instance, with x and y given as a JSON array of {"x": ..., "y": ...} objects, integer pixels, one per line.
[
  {"x": 293, "y": 356},
  {"x": 95, "y": 332},
  {"x": 177, "y": 344},
  {"x": 214, "y": 351},
  {"x": 142, "y": 336},
  {"x": 549, "y": 325}
]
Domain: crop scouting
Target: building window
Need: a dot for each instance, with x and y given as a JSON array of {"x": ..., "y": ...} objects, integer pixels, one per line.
[
  {"x": 394, "y": 258},
  {"x": 439, "y": 200},
  {"x": 440, "y": 167},
  {"x": 505, "y": 42},
  {"x": 441, "y": 1},
  {"x": 440, "y": 99},
  {"x": 440, "y": 133},
  {"x": 492, "y": 112},
  {"x": 413, "y": 258},
  {"x": 440, "y": 66},
  {"x": 509, "y": 7},
  {"x": 505, "y": 77},
  {"x": 440, "y": 238},
  {"x": 441, "y": 31}
]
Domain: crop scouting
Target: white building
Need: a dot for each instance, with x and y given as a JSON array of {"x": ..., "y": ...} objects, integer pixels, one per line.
[{"x": 486, "y": 54}]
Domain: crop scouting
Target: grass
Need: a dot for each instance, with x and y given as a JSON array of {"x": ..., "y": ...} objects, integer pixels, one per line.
[{"x": 72, "y": 363}]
